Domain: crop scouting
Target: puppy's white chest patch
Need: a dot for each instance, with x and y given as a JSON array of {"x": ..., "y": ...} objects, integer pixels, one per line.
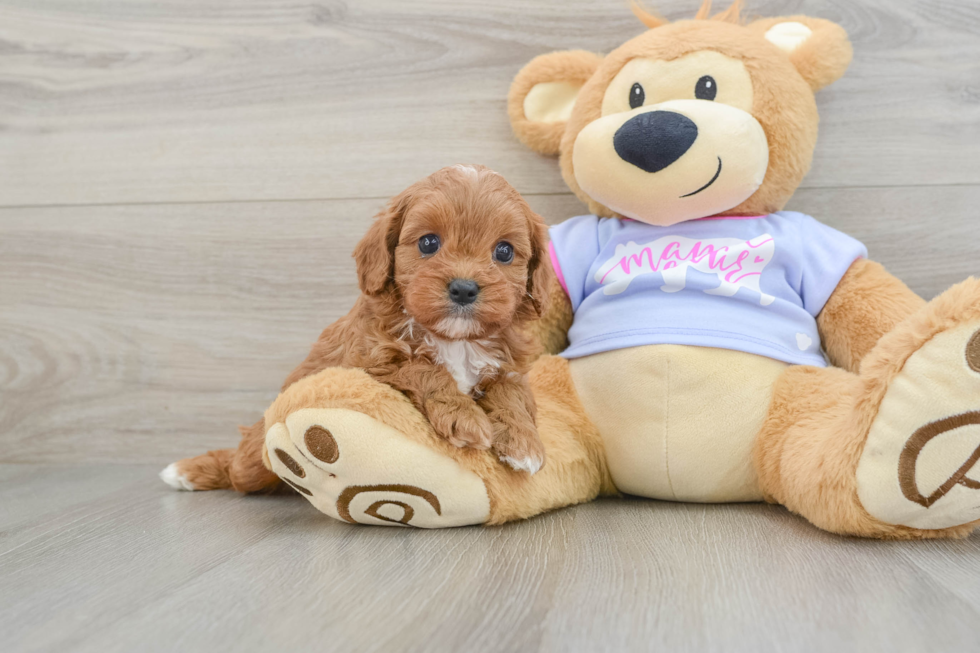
[{"x": 466, "y": 361}]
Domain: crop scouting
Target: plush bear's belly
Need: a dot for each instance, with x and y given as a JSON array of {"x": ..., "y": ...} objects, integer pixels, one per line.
[{"x": 678, "y": 422}]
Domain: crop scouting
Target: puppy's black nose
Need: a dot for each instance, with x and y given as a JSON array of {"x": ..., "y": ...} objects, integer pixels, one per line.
[
  {"x": 463, "y": 291},
  {"x": 652, "y": 141}
]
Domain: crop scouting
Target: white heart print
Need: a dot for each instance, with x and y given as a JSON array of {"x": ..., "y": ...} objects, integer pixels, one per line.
[{"x": 803, "y": 341}]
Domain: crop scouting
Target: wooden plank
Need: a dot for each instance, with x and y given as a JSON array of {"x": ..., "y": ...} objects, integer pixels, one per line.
[
  {"x": 136, "y": 333},
  {"x": 117, "y": 101},
  {"x": 136, "y": 566},
  {"x": 28, "y": 503}
]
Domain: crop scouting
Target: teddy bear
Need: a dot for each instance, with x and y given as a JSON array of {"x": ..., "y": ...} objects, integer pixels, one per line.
[{"x": 703, "y": 345}]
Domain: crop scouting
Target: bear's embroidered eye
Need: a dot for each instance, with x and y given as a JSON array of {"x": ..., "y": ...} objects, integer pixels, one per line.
[
  {"x": 429, "y": 244},
  {"x": 706, "y": 88},
  {"x": 637, "y": 96},
  {"x": 503, "y": 252}
]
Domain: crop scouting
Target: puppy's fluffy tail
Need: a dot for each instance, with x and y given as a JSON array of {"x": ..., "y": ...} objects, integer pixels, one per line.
[
  {"x": 210, "y": 471},
  {"x": 241, "y": 469}
]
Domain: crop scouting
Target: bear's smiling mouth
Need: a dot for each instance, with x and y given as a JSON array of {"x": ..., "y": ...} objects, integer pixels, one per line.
[{"x": 713, "y": 179}]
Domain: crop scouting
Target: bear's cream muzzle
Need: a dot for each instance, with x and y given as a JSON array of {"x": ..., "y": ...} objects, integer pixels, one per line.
[{"x": 674, "y": 161}]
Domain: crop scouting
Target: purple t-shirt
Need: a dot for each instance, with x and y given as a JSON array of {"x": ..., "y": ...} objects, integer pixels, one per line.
[{"x": 753, "y": 284}]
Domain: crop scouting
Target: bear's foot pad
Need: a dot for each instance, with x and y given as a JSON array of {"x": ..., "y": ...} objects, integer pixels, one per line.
[
  {"x": 356, "y": 469},
  {"x": 919, "y": 467}
]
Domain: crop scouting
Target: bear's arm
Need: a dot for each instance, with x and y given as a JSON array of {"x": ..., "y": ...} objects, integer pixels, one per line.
[
  {"x": 867, "y": 303},
  {"x": 551, "y": 329}
]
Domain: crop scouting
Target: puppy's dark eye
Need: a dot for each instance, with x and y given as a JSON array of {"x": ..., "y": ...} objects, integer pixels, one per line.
[
  {"x": 637, "y": 96},
  {"x": 503, "y": 252},
  {"x": 706, "y": 88},
  {"x": 429, "y": 244}
]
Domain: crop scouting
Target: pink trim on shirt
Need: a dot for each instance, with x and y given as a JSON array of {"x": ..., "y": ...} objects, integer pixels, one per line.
[
  {"x": 731, "y": 217},
  {"x": 711, "y": 217},
  {"x": 557, "y": 266}
]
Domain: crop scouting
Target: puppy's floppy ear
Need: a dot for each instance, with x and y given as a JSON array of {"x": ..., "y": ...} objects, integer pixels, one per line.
[
  {"x": 375, "y": 253},
  {"x": 538, "y": 268},
  {"x": 819, "y": 49},
  {"x": 542, "y": 96}
]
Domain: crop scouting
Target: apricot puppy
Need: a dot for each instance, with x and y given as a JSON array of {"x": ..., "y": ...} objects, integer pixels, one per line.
[{"x": 449, "y": 272}]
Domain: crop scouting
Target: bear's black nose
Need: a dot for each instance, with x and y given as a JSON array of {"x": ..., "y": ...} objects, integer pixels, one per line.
[
  {"x": 463, "y": 291},
  {"x": 652, "y": 141}
]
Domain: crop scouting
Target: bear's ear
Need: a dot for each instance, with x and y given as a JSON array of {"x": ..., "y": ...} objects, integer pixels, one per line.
[
  {"x": 543, "y": 94},
  {"x": 819, "y": 49}
]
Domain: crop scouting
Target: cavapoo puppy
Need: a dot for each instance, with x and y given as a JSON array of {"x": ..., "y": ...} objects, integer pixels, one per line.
[{"x": 449, "y": 272}]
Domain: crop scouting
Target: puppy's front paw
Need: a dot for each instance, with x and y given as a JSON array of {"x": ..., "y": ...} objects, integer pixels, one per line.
[
  {"x": 461, "y": 422},
  {"x": 519, "y": 447}
]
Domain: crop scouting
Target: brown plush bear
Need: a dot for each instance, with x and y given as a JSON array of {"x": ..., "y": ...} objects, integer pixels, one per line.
[{"x": 693, "y": 369}]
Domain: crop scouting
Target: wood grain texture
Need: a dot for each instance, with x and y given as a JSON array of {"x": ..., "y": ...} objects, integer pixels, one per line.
[
  {"x": 115, "y": 101},
  {"x": 125, "y": 564}
]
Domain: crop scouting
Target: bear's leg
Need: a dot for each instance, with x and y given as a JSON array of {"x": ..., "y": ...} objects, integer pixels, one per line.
[
  {"x": 891, "y": 452},
  {"x": 360, "y": 452}
]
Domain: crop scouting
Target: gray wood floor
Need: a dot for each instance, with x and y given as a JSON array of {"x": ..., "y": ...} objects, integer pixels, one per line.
[{"x": 181, "y": 183}]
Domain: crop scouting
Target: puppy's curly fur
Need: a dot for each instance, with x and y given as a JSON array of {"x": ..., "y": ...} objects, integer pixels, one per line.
[{"x": 463, "y": 366}]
